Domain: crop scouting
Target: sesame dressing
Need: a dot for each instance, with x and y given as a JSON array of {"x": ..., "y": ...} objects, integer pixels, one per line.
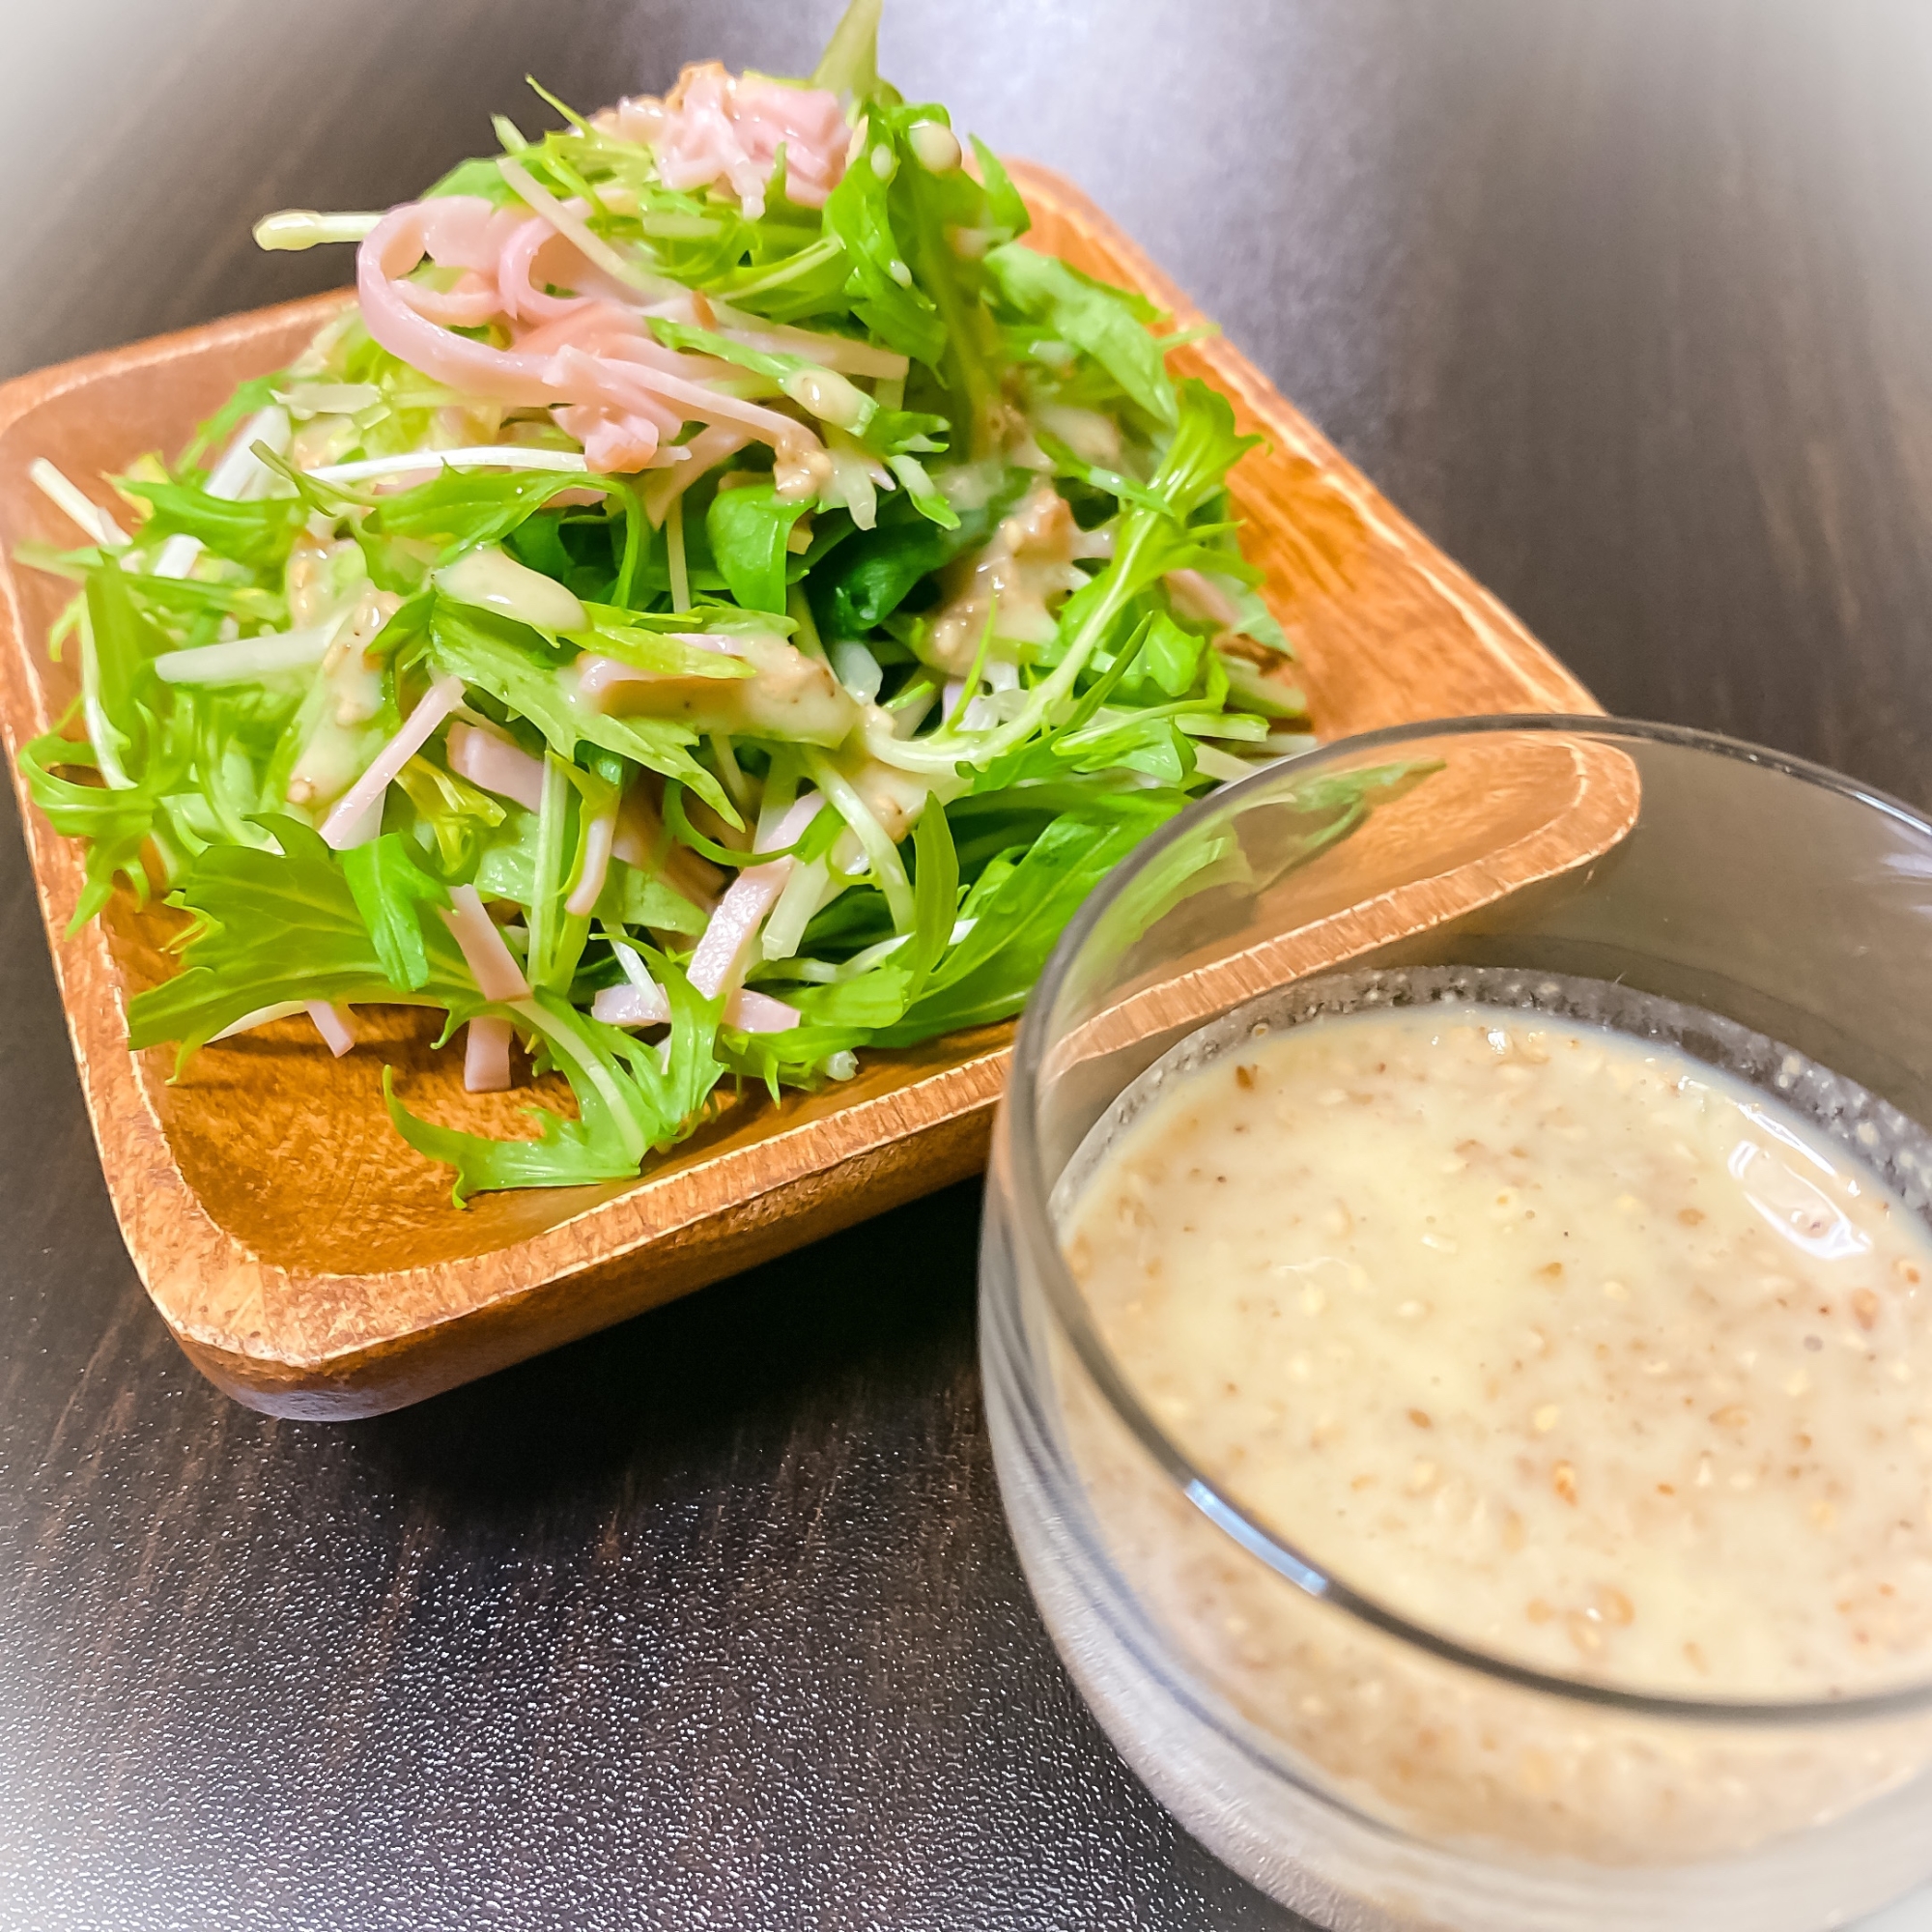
[{"x": 1551, "y": 1339}]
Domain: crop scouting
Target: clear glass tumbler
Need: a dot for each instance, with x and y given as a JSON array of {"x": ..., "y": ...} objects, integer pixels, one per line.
[{"x": 1759, "y": 912}]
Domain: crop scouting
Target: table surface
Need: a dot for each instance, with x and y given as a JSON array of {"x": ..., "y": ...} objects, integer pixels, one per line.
[{"x": 713, "y": 1621}]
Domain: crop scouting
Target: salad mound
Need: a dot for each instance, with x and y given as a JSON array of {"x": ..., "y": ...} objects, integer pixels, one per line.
[{"x": 716, "y": 602}]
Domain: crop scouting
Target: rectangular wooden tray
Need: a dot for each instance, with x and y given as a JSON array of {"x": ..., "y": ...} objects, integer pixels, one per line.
[{"x": 307, "y": 1261}]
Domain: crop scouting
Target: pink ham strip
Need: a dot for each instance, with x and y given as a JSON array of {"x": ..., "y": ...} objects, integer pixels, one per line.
[
  {"x": 333, "y": 1024},
  {"x": 642, "y": 841},
  {"x": 614, "y": 445},
  {"x": 488, "y": 760},
  {"x": 630, "y": 1005},
  {"x": 638, "y": 1006},
  {"x": 757, "y": 1013},
  {"x": 719, "y": 958},
  {"x": 471, "y": 302},
  {"x": 464, "y": 231},
  {"x": 582, "y": 901},
  {"x": 516, "y": 278},
  {"x": 619, "y": 393},
  {"x": 361, "y": 829},
  {"x": 718, "y": 126},
  {"x": 708, "y": 448},
  {"x": 618, "y": 425},
  {"x": 631, "y": 382},
  {"x": 342, "y": 825},
  {"x": 589, "y": 323},
  {"x": 389, "y": 251},
  {"x": 597, "y": 674},
  {"x": 639, "y": 831},
  {"x": 486, "y": 1055},
  {"x": 567, "y": 219},
  {"x": 491, "y": 964},
  {"x": 1197, "y": 596}
]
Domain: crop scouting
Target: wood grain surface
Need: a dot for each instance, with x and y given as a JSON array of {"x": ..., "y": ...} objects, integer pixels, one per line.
[{"x": 711, "y": 1621}]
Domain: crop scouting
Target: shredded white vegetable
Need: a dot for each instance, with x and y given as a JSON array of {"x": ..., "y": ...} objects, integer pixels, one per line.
[
  {"x": 294, "y": 229},
  {"x": 888, "y": 868},
  {"x": 635, "y": 968},
  {"x": 1221, "y": 765},
  {"x": 76, "y": 504},
  {"x": 857, "y": 670},
  {"x": 282, "y": 1009},
  {"x": 243, "y": 658},
  {"x": 490, "y": 456},
  {"x": 240, "y": 475},
  {"x": 808, "y": 888}
]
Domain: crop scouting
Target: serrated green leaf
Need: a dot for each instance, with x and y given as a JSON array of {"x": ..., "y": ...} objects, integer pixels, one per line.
[
  {"x": 1107, "y": 323},
  {"x": 390, "y": 890}
]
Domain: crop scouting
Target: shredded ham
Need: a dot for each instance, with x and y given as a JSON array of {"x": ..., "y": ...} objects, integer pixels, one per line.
[
  {"x": 486, "y": 1055},
  {"x": 589, "y": 357},
  {"x": 517, "y": 275},
  {"x": 333, "y": 1024},
  {"x": 347, "y": 823},
  {"x": 597, "y": 674},
  {"x": 748, "y": 1011},
  {"x": 641, "y": 841},
  {"x": 716, "y": 126},
  {"x": 491, "y": 964},
  {"x": 704, "y": 453},
  {"x": 582, "y": 900},
  {"x": 723, "y": 948},
  {"x": 640, "y": 831},
  {"x": 567, "y": 219},
  {"x": 391, "y": 250},
  {"x": 752, "y": 1011},
  {"x": 488, "y": 760},
  {"x": 470, "y": 304},
  {"x": 361, "y": 830},
  {"x": 1201, "y": 598}
]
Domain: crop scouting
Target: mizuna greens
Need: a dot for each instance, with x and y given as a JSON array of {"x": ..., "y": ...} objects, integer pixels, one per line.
[{"x": 717, "y": 602}]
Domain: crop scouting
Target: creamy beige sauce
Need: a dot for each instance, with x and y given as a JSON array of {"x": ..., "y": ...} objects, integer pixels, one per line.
[
  {"x": 1551, "y": 1339},
  {"x": 340, "y": 743},
  {"x": 494, "y": 579},
  {"x": 788, "y": 694},
  {"x": 1020, "y": 578}
]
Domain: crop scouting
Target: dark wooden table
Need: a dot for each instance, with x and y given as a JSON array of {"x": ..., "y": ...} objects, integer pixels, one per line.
[{"x": 713, "y": 1621}]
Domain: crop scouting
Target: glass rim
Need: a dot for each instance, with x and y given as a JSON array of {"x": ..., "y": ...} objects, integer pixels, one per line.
[{"x": 1033, "y": 1221}]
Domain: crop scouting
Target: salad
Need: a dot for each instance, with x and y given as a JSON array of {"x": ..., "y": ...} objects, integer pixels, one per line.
[{"x": 716, "y": 602}]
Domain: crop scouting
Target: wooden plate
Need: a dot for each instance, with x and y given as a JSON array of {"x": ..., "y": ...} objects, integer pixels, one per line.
[{"x": 307, "y": 1261}]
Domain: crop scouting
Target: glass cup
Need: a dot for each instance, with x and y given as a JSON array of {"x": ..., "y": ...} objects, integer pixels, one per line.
[{"x": 1758, "y": 913}]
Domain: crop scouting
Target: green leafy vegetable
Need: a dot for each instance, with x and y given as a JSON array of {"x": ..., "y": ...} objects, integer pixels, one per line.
[
  {"x": 832, "y": 567},
  {"x": 1108, "y": 323},
  {"x": 275, "y": 926},
  {"x": 255, "y": 535},
  {"x": 748, "y": 529},
  {"x": 116, "y": 823},
  {"x": 390, "y": 890},
  {"x": 879, "y": 284}
]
